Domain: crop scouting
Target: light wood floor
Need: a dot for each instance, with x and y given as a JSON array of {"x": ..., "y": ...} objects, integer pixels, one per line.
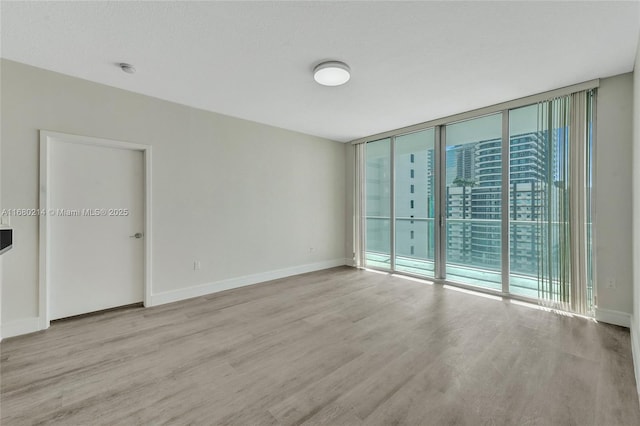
[{"x": 337, "y": 347}]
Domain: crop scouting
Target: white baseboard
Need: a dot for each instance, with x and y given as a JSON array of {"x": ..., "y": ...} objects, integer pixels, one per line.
[
  {"x": 622, "y": 319},
  {"x": 635, "y": 352},
  {"x": 21, "y": 326},
  {"x": 31, "y": 325},
  {"x": 228, "y": 284}
]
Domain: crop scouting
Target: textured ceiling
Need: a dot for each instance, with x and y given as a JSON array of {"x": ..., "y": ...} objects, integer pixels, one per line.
[{"x": 411, "y": 62}]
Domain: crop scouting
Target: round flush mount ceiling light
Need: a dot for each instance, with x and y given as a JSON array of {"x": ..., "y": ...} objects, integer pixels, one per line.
[
  {"x": 332, "y": 73},
  {"x": 128, "y": 68}
]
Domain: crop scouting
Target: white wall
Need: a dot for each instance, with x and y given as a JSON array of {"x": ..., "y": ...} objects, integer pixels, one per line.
[
  {"x": 1, "y": 258},
  {"x": 635, "y": 326},
  {"x": 247, "y": 200},
  {"x": 613, "y": 202}
]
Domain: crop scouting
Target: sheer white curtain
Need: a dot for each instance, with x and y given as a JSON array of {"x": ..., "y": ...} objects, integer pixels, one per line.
[
  {"x": 554, "y": 244},
  {"x": 578, "y": 205},
  {"x": 563, "y": 223}
]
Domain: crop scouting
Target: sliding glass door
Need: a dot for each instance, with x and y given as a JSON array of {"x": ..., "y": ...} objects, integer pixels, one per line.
[
  {"x": 501, "y": 202},
  {"x": 378, "y": 204},
  {"x": 473, "y": 194},
  {"x": 533, "y": 194},
  {"x": 415, "y": 203}
]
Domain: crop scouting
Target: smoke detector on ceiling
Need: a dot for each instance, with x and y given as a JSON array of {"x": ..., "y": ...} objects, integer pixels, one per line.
[{"x": 128, "y": 68}]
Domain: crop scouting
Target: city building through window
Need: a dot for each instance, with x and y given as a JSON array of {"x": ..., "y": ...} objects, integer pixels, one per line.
[{"x": 497, "y": 215}]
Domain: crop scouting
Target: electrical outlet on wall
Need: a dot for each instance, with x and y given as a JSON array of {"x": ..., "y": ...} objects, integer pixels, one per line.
[
  {"x": 196, "y": 265},
  {"x": 611, "y": 283}
]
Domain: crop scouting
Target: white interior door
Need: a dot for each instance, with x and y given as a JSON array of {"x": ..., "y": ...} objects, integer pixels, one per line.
[{"x": 96, "y": 195}]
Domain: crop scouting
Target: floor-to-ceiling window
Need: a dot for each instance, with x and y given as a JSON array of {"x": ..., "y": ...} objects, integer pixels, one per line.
[
  {"x": 550, "y": 153},
  {"x": 499, "y": 201},
  {"x": 378, "y": 204},
  {"x": 473, "y": 193},
  {"x": 533, "y": 164},
  {"x": 415, "y": 202}
]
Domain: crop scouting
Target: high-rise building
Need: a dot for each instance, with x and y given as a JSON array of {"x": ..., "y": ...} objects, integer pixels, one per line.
[
  {"x": 473, "y": 194},
  {"x": 378, "y": 175},
  {"x": 474, "y": 201},
  {"x": 465, "y": 162},
  {"x": 414, "y": 203}
]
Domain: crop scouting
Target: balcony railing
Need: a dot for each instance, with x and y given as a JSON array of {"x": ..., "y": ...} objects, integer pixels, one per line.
[{"x": 472, "y": 257}]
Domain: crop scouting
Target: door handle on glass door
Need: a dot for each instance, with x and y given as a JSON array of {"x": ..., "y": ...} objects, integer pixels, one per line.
[{"x": 136, "y": 235}]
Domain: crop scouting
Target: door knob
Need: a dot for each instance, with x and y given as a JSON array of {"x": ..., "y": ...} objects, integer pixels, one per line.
[{"x": 136, "y": 235}]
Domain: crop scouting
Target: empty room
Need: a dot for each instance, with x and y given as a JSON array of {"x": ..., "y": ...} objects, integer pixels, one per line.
[{"x": 320, "y": 213}]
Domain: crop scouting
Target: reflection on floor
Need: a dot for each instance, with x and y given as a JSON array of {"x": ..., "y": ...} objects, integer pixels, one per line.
[
  {"x": 335, "y": 347},
  {"x": 520, "y": 285}
]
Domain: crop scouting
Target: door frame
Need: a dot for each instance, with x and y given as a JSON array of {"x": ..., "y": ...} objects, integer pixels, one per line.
[{"x": 47, "y": 139}]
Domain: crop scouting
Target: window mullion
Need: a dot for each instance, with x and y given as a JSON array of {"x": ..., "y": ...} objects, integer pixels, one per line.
[
  {"x": 440, "y": 234},
  {"x": 392, "y": 207}
]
